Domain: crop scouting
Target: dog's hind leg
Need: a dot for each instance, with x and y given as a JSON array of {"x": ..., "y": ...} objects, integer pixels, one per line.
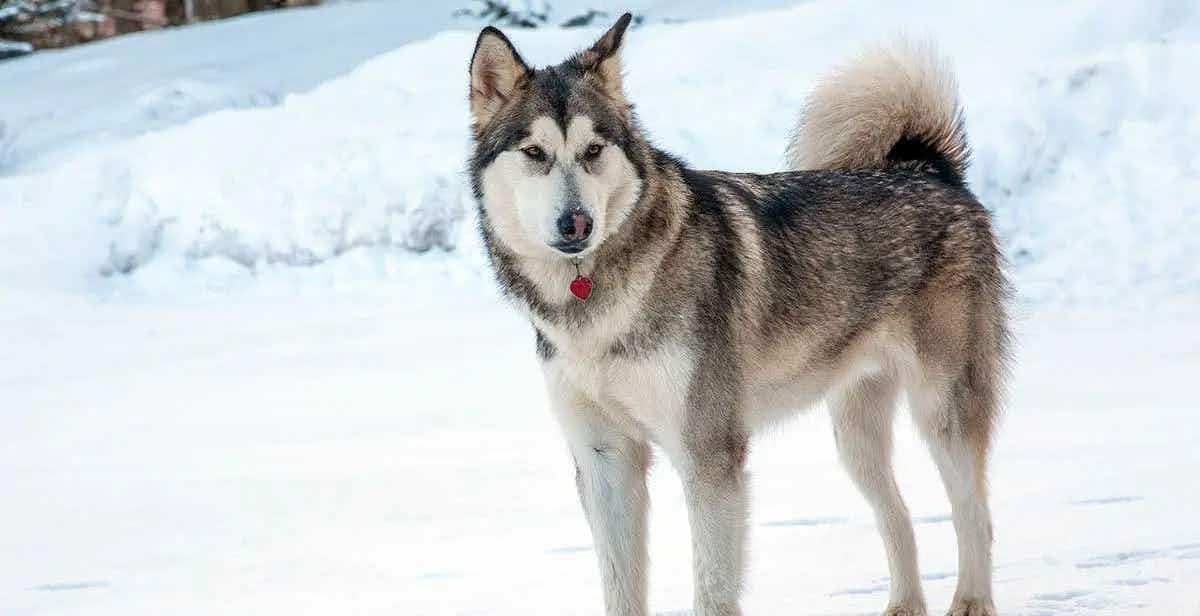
[
  {"x": 954, "y": 404},
  {"x": 961, "y": 464},
  {"x": 862, "y": 422},
  {"x": 610, "y": 474}
]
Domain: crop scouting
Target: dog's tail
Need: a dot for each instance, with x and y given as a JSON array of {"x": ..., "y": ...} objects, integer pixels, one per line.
[{"x": 894, "y": 107}]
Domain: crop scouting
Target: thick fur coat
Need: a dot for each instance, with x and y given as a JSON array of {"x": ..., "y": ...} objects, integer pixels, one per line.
[{"x": 725, "y": 301}]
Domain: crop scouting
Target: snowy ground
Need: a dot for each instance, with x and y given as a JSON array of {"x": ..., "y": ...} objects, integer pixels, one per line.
[
  {"x": 391, "y": 452},
  {"x": 253, "y": 362}
]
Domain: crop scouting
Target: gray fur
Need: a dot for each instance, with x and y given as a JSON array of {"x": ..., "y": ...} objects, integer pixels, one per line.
[{"x": 725, "y": 301}]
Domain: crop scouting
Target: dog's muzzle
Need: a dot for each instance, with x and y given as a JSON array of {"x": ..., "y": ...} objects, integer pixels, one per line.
[{"x": 574, "y": 229}]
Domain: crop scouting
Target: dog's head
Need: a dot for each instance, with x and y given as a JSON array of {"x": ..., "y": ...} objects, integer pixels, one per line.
[{"x": 558, "y": 162}]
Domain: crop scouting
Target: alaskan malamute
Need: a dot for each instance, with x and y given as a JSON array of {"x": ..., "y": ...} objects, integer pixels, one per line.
[{"x": 688, "y": 308}]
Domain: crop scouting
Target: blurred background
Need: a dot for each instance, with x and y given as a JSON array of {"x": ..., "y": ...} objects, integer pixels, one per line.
[
  {"x": 254, "y": 360},
  {"x": 48, "y": 24}
]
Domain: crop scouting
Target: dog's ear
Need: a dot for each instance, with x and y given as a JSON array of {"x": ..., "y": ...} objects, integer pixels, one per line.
[
  {"x": 603, "y": 59},
  {"x": 497, "y": 71}
]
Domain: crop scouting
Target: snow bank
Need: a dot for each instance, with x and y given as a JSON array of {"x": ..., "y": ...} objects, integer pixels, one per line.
[
  {"x": 1083, "y": 119},
  {"x": 75, "y": 98},
  {"x": 14, "y": 48},
  {"x": 1094, "y": 171},
  {"x": 362, "y": 162}
]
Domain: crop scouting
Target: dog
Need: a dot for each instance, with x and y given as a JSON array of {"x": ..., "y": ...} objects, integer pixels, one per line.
[{"x": 690, "y": 308}]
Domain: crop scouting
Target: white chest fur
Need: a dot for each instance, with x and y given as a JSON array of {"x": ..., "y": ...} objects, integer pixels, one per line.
[{"x": 647, "y": 393}]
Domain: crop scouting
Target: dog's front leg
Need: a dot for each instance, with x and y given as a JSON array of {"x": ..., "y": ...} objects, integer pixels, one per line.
[
  {"x": 610, "y": 474},
  {"x": 711, "y": 460}
]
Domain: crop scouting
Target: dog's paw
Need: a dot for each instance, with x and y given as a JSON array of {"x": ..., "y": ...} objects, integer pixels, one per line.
[
  {"x": 905, "y": 610},
  {"x": 971, "y": 607}
]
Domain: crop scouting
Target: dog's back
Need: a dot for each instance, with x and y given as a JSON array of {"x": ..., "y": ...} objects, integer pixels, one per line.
[{"x": 878, "y": 232}]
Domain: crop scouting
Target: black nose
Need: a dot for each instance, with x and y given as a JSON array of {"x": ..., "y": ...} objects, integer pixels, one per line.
[{"x": 574, "y": 226}]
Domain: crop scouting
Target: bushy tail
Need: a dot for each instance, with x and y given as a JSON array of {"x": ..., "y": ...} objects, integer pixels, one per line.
[{"x": 895, "y": 107}]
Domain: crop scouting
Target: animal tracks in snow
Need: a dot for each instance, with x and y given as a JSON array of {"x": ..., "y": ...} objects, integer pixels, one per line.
[
  {"x": 863, "y": 590},
  {"x": 570, "y": 549},
  {"x": 1070, "y": 602},
  {"x": 1065, "y": 595},
  {"x": 1141, "y": 581},
  {"x": 1106, "y": 500},
  {"x": 880, "y": 585},
  {"x": 64, "y": 586},
  {"x": 1187, "y": 551},
  {"x": 806, "y": 522},
  {"x": 1107, "y": 575}
]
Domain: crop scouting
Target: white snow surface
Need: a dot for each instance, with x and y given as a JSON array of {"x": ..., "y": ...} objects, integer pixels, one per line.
[
  {"x": 390, "y": 451},
  {"x": 255, "y": 363}
]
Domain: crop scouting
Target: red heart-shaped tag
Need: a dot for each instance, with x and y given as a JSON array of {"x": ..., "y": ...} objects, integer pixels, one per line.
[{"x": 581, "y": 287}]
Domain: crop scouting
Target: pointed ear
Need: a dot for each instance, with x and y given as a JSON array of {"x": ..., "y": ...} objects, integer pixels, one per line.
[
  {"x": 497, "y": 70},
  {"x": 604, "y": 57}
]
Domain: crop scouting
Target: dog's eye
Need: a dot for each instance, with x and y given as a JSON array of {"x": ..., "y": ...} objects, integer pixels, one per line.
[
  {"x": 534, "y": 152},
  {"x": 593, "y": 151}
]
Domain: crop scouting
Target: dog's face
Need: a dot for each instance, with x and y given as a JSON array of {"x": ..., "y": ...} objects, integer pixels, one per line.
[{"x": 558, "y": 164}]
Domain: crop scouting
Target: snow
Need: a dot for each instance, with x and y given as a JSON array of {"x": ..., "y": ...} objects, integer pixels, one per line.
[
  {"x": 14, "y": 47},
  {"x": 390, "y": 451},
  {"x": 1085, "y": 131},
  {"x": 102, "y": 92},
  {"x": 166, "y": 77},
  {"x": 254, "y": 361}
]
